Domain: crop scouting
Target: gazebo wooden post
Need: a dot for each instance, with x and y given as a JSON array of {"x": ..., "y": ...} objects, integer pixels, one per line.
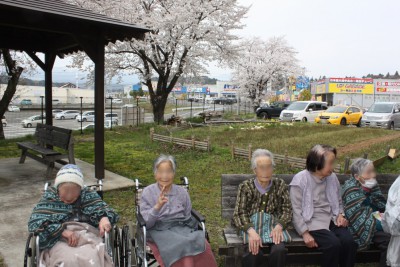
[
  {"x": 49, "y": 59},
  {"x": 99, "y": 111}
]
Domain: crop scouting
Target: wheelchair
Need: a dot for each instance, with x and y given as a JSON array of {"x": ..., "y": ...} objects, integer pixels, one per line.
[
  {"x": 142, "y": 253},
  {"x": 112, "y": 240}
]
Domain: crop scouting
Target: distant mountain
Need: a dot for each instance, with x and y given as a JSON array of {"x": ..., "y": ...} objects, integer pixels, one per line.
[{"x": 26, "y": 81}]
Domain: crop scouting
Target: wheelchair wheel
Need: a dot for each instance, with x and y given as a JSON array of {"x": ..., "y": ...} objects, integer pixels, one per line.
[
  {"x": 126, "y": 248},
  {"x": 31, "y": 256},
  {"x": 115, "y": 243}
]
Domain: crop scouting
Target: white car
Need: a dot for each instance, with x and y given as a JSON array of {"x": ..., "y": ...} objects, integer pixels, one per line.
[
  {"x": 13, "y": 109},
  {"x": 86, "y": 116},
  {"x": 32, "y": 121},
  {"x": 4, "y": 121},
  {"x": 109, "y": 116},
  {"x": 67, "y": 114},
  {"x": 117, "y": 101},
  {"x": 56, "y": 111},
  {"x": 303, "y": 111}
]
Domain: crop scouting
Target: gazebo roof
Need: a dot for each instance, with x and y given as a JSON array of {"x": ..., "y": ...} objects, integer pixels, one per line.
[{"x": 58, "y": 27}]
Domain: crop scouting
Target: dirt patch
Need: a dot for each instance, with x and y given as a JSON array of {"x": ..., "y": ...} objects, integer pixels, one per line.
[{"x": 366, "y": 143}]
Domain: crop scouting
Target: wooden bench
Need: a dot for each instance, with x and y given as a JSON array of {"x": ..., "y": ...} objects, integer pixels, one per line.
[
  {"x": 47, "y": 137},
  {"x": 298, "y": 253}
]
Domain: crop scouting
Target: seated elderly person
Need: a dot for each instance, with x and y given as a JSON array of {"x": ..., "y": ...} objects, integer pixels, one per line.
[
  {"x": 267, "y": 198},
  {"x": 363, "y": 204},
  {"x": 70, "y": 221},
  {"x": 318, "y": 211},
  {"x": 173, "y": 234},
  {"x": 391, "y": 223}
]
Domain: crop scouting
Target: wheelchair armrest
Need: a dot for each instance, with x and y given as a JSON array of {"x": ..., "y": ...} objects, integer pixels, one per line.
[
  {"x": 198, "y": 216},
  {"x": 140, "y": 219}
]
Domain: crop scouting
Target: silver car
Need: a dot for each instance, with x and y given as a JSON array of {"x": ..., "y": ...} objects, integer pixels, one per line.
[
  {"x": 33, "y": 121},
  {"x": 86, "y": 116},
  {"x": 67, "y": 114},
  {"x": 382, "y": 115}
]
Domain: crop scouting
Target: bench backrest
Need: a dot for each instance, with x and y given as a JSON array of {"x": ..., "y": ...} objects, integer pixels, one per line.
[
  {"x": 230, "y": 184},
  {"x": 53, "y": 136}
]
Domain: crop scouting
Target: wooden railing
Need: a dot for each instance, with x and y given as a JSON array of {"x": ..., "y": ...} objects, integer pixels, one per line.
[{"x": 192, "y": 143}]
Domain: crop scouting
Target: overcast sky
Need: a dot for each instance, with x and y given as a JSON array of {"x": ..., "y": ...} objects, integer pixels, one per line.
[{"x": 333, "y": 38}]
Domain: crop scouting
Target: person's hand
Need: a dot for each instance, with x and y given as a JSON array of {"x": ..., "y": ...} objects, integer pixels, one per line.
[
  {"x": 71, "y": 238},
  {"x": 341, "y": 221},
  {"x": 254, "y": 241},
  {"x": 162, "y": 199},
  {"x": 104, "y": 226},
  {"x": 309, "y": 240},
  {"x": 277, "y": 234}
]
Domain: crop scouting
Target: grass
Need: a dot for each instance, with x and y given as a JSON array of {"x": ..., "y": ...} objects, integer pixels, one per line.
[
  {"x": 129, "y": 152},
  {"x": 295, "y": 139}
]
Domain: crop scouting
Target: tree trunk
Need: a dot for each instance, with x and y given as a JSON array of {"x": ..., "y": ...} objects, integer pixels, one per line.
[
  {"x": 159, "y": 102},
  {"x": 14, "y": 72}
]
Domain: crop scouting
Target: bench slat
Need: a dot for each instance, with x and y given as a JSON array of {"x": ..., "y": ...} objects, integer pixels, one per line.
[{"x": 37, "y": 148}]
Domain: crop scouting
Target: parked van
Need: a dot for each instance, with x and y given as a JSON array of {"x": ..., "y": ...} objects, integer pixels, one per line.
[
  {"x": 382, "y": 115},
  {"x": 303, "y": 111}
]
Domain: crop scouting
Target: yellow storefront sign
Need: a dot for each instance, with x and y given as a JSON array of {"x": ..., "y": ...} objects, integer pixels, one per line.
[{"x": 351, "y": 88}]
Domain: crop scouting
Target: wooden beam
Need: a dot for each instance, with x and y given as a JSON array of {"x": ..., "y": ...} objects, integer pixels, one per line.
[{"x": 37, "y": 60}]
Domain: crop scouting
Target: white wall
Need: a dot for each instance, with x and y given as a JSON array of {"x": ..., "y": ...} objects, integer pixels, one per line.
[{"x": 64, "y": 95}]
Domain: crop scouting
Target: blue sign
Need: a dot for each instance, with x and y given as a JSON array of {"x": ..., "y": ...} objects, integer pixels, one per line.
[
  {"x": 136, "y": 87},
  {"x": 302, "y": 82}
]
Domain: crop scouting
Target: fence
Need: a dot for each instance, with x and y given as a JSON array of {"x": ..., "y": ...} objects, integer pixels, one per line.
[
  {"x": 377, "y": 162},
  {"x": 279, "y": 159},
  {"x": 191, "y": 143},
  {"x": 132, "y": 116},
  {"x": 193, "y": 107}
]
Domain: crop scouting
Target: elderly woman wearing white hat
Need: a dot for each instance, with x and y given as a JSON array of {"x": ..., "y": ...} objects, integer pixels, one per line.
[{"x": 70, "y": 220}]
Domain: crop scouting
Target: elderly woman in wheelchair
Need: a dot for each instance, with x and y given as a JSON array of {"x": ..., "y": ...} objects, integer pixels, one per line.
[
  {"x": 172, "y": 231},
  {"x": 70, "y": 221}
]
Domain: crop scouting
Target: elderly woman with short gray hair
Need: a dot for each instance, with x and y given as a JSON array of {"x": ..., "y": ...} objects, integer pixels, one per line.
[
  {"x": 363, "y": 204},
  {"x": 318, "y": 209},
  {"x": 173, "y": 233},
  {"x": 263, "y": 198}
]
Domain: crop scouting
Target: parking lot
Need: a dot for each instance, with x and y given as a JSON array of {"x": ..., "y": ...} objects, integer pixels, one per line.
[{"x": 15, "y": 129}]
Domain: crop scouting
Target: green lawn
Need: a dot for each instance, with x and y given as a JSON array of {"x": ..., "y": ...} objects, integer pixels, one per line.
[{"x": 130, "y": 153}]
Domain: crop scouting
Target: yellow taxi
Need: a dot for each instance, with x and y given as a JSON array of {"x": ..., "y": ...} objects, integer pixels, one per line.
[{"x": 340, "y": 114}]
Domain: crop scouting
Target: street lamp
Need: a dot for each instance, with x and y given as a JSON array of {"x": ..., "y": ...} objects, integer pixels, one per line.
[{"x": 41, "y": 103}]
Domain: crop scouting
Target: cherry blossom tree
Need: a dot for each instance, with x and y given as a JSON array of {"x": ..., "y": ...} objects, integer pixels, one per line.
[
  {"x": 185, "y": 35},
  {"x": 260, "y": 62},
  {"x": 12, "y": 64}
]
